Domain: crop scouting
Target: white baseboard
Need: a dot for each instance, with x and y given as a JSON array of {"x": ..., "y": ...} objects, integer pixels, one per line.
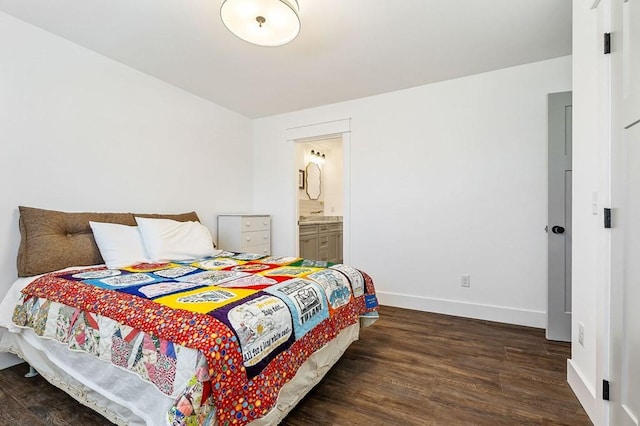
[
  {"x": 503, "y": 314},
  {"x": 8, "y": 360},
  {"x": 585, "y": 393}
]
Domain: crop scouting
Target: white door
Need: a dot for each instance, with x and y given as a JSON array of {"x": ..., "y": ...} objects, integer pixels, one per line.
[
  {"x": 559, "y": 217},
  {"x": 625, "y": 233}
]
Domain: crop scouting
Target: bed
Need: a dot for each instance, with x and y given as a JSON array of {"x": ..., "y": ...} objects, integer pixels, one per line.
[{"x": 179, "y": 333}]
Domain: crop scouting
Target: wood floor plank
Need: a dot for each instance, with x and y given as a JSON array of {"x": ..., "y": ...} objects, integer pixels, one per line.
[
  {"x": 14, "y": 412},
  {"x": 558, "y": 348},
  {"x": 410, "y": 368},
  {"x": 469, "y": 372}
]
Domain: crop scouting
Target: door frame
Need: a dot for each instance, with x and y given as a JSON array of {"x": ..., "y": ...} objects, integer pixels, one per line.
[
  {"x": 624, "y": 108},
  {"x": 325, "y": 130}
]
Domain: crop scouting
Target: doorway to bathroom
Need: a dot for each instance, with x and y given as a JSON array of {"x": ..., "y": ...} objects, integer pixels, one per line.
[{"x": 321, "y": 198}]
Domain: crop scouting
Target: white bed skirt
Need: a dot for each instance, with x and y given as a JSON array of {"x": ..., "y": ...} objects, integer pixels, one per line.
[{"x": 142, "y": 403}]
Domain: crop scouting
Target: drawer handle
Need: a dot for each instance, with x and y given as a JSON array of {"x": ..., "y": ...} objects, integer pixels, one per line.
[
  {"x": 265, "y": 223},
  {"x": 247, "y": 224},
  {"x": 266, "y": 237},
  {"x": 248, "y": 238}
]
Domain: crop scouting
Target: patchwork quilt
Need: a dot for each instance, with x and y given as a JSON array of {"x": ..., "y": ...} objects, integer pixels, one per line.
[{"x": 249, "y": 321}]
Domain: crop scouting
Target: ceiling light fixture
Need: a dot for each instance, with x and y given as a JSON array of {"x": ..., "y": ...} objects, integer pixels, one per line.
[{"x": 262, "y": 22}]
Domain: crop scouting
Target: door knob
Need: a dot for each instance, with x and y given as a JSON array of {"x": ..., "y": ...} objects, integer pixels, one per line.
[{"x": 557, "y": 229}]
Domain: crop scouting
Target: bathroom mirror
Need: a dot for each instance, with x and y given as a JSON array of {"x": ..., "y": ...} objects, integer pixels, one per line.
[{"x": 313, "y": 181}]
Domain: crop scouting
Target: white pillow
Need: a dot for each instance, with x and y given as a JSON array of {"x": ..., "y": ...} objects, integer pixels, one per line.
[
  {"x": 119, "y": 245},
  {"x": 166, "y": 239}
]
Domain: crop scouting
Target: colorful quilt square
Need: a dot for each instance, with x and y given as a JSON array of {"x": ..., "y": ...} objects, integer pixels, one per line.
[
  {"x": 91, "y": 274},
  {"x": 148, "y": 267},
  {"x": 247, "y": 256},
  {"x": 289, "y": 271},
  {"x": 312, "y": 263},
  {"x": 256, "y": 282},
  {"x": 124, "y": 280},
  {"x": 159, "y": 289},
  {"x": 218, "y": 263},
  {"x": 279, "y": 260},
  {"x": 263, "y": 326},
  {"x": 176, "y": 271},
  {"x": 336, "y": 287},
  {"x": 355, "y": 278},
  {"x": 306, "y": 302},
  {"x": 204, "y": 299},
  {"x": 213, "y": 277}
]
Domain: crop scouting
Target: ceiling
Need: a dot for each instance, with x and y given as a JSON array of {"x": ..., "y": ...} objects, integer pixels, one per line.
[{"x": 346, "y": 49}]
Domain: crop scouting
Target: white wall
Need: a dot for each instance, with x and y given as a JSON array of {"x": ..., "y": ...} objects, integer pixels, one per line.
[
  {"x": 332, "y": 178},
  {"x": 446, "y": 179},
  {"x": 81, "y": 132}
]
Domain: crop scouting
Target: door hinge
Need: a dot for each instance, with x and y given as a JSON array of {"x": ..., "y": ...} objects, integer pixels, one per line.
[
  {"x": 605, "y": 390},
  {"x": 607, "y": 43},
  {"x": 607, "y": 218}
]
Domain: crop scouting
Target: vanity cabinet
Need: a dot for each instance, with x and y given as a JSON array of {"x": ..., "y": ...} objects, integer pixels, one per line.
[
  {"x": 309, "y": 242},
  {"x": 245, "y": 233},
  {"x": 321, "y": 242},
  {"x": 334, "y": 242}
]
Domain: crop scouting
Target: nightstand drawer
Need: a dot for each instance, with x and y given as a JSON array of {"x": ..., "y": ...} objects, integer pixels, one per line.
[
  {"x": 255, "y": 238},
  {"x": 255, "y": 223},
  {"x": 259, "y": 249}
]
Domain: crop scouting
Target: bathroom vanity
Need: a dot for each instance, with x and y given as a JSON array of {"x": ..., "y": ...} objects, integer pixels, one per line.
[{"x": 321, "y": 238}]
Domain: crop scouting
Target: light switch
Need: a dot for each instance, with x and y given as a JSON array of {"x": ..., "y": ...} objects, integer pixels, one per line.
[{"x": 594, "y": 203}]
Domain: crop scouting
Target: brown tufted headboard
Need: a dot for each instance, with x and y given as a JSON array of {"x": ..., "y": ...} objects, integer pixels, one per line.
[{"x": 52, "y": 240}]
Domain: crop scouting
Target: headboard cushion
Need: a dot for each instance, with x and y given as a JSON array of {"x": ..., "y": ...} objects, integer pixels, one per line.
[{"x": 51, "y": 240}]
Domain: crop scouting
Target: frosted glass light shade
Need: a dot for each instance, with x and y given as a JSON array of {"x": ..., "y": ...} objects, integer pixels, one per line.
[{"x": 262, "y": 22}]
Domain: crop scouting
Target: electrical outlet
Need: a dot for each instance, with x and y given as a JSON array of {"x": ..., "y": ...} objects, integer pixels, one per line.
[
  {"x": 581, "y": 334},
  {"x": 465, "y": 281}
]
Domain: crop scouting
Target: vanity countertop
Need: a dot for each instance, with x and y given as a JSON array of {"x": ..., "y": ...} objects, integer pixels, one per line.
[{"x": 315, "y": 220}]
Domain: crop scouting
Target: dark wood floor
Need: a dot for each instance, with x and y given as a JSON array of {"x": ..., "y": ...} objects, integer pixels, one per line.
[{"x": 410, "y": 368}]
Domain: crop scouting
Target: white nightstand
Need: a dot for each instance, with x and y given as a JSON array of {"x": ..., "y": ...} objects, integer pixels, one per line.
[{"x": 246, "y": 233}]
